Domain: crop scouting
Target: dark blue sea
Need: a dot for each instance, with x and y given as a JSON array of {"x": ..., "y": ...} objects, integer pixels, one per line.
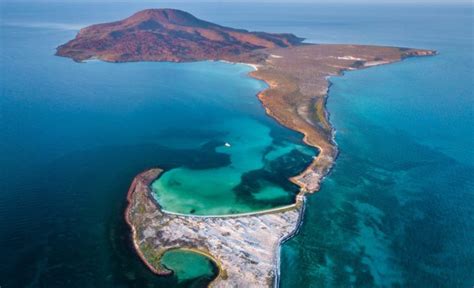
[{"x": 396, "y": 211}]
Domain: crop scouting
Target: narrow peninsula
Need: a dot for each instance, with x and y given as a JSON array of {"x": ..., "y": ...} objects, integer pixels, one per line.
[{"x": 245, "y": 247}]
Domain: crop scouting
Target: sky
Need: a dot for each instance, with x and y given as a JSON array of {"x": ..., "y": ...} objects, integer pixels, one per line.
[
  {"x": 325, "y": 1},
  {"x": 268, "y": 1}
]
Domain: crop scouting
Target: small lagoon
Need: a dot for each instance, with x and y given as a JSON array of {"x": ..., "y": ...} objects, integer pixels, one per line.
[{"x": 191, "y": 269}]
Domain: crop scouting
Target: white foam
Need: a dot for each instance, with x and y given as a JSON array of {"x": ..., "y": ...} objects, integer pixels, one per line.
[{"x": 350, "y": 58}]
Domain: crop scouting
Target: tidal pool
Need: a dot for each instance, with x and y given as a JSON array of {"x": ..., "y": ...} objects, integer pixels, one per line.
[{"x": 190, "y": 267}]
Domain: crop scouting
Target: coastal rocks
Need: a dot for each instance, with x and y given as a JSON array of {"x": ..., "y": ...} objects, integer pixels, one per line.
[
  {"x": 407, "y": 52},
  {"x": 245, "y": 248}
]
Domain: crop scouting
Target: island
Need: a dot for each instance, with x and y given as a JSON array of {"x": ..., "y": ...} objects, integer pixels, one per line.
[{"x": 245, "y": 247}]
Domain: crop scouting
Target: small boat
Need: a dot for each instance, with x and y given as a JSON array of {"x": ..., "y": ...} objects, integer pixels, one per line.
[{"x": 227, "y": 144}]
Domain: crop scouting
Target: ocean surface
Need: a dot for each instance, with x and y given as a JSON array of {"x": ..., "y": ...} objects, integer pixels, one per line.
[{"x": 397, "y": 210}]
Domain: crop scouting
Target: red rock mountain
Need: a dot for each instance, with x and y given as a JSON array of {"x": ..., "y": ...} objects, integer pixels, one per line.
[{"x": 167, "y": 35}]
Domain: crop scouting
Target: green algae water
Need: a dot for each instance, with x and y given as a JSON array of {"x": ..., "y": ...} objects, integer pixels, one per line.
[
  {"x": 189, "y": 267},
  {"x": 395, "y": 211}
]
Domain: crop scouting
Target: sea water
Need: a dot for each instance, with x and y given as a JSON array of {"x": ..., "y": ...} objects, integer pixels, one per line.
[
  {"x": 396, "y": 209},
  {"x": 75, "y": 134}
]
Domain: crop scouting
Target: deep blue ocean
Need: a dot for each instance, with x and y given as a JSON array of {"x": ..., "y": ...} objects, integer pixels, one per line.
[{"x": 396, "y": 211}]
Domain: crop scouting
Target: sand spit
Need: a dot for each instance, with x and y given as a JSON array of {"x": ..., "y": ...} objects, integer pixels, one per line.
[
  {"x": 245, "y": 248},
  {"x": 298, "y": 86}
]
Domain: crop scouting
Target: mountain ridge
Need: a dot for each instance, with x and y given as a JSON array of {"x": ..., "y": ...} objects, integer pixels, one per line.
[{"x": 168, "y": 35}]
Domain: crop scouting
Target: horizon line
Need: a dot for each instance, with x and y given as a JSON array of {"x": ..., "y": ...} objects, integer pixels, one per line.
[{"x": 389, "y": 2}]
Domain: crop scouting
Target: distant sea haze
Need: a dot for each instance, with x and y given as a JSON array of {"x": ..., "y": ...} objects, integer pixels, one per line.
[
  {"x": 397, "y": 209},
  {"x": 47, "y": 25}
]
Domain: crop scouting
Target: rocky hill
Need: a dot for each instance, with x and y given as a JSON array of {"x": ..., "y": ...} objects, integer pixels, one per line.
[{"x": 167, "y": 35}]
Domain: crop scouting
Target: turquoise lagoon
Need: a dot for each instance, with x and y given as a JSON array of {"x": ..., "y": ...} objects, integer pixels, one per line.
[
  {"x": 244, "y": 185},
  {"x": 189, "y": 267}
]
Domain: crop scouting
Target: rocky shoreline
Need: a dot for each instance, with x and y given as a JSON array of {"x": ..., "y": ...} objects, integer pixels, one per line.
[
  {"x": 298, "y": 80},
  {"x": 144, "y": 179}
]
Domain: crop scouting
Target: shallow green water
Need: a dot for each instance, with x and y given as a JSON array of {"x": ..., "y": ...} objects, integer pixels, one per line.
[
  {"x": 189, "y": 266},
  {"x": 250, "y": 147}
]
